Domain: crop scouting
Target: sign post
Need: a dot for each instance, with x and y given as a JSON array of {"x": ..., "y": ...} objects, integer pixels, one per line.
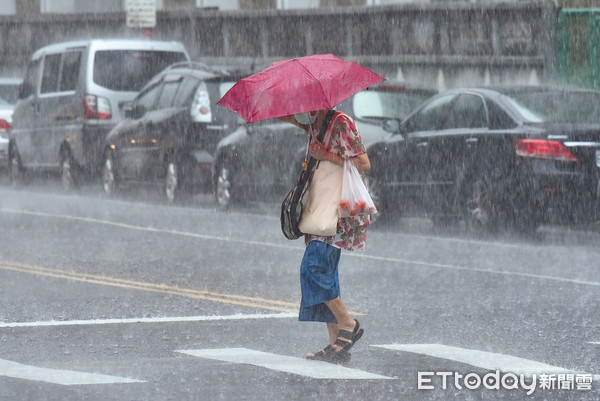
[{"x": 141, "y": 14}]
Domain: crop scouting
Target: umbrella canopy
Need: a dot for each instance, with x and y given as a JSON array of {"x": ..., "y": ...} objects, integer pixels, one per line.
[{"x": 316, "y": 82}]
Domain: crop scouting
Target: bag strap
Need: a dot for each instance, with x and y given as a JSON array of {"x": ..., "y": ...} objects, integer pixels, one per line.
[
  {"x": 325, "y": 125},
  {"x": 337, "y": 115},
  {"x": 320, "y": 137}
]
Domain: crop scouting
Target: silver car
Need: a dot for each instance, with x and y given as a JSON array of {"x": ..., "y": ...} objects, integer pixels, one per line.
[{"x": 71, "y": 98}]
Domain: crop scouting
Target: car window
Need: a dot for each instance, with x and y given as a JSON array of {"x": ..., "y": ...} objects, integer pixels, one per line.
[
  {"x": 468, "y": 111},
  {"x": 167, "y": 94},
  {"x": 70, "y": 70},
  {"x": 374, "y": 104},
  {"x": 183, "y": 97},
  {"x": 147, "y": 99},
  {"x": 50, "y": 73},
  {"x": 499, "y": 119},
  {"x": 428, "y": 118},
  {"x": 130, "y": 70},
  {"x": 28, "y": 88}
]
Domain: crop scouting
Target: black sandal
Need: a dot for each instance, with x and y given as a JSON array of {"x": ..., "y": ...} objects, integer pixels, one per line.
[
  {"x": 328, "y": 354},
  {"x": 346, "y": 339}
]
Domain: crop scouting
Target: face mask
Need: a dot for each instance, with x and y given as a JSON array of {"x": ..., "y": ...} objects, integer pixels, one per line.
[{"x": 305, "y": 118}]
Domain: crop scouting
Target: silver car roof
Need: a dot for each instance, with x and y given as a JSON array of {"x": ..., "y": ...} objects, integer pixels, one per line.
[{"x": 113, "y": 44}]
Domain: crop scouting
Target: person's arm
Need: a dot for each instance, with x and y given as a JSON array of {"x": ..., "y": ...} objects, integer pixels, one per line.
[{"x": 362, "y": 163}]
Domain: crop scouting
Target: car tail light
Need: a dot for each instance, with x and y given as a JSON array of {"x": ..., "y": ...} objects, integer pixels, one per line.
[
  {"x": 5, "y": 126},
  {"x": 96, "y": 108},
  {"x": 543, "y": 149},
  {"x": 201, "y": 111}
]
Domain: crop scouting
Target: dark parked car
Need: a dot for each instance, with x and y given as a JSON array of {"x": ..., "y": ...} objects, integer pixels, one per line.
[
  {"x": 514, "y": 157},
  {"x": 170, "y": 131},
  {"x": 262, "y": 160}
]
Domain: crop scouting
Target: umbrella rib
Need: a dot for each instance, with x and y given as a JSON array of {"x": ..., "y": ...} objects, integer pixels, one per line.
[{"x": 316, "y": 79}]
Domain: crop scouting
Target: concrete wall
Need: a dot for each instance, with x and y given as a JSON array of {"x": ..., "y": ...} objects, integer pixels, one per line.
[{"x": 437, "y": 45}]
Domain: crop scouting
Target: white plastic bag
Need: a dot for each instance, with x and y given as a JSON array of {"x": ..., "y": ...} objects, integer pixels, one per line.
[{"x": 355, "y": 199}]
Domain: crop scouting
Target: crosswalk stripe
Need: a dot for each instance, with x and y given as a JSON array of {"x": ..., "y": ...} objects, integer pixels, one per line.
[
  {"x": 57, "y": 376},
  {"x": 298, "y": 366},
  {"x": 481, "y": 359}
]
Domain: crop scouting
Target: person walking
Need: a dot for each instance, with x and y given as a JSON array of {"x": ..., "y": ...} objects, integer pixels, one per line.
[{"x": 319, "y": 278}]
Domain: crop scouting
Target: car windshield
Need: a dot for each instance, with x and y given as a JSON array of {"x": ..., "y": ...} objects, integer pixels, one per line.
[
  {"x": 130, "y": 70},
  {"x": 376, "y": 104},
  {"x": 558, "y": 106}
]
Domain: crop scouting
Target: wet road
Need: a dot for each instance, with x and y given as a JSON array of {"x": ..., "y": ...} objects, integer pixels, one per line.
[{"x": 133, "y": 299}]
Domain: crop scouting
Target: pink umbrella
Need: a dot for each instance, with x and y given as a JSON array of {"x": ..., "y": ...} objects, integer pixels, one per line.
[{"x": 316, "y": 82}]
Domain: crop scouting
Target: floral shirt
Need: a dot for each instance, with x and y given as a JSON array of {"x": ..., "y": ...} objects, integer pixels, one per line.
[{"x": 345, "y": 141}]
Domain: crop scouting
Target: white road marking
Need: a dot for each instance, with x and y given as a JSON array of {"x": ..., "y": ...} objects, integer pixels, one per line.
[
  {"x": 57, "y": 376},
  {"x": 482, "y": 359},
  {"x": 148, "y": 320},
  {"x": 281, "y": 363},
  {"x": 298, "y": 247},
  {"x": 148, "y": 229}
]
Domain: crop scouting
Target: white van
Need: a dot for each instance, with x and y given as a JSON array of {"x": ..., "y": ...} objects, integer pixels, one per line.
[{"x": 71, "y": 97}]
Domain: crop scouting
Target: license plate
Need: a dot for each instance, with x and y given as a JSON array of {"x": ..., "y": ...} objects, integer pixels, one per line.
[{"x": 598, "y": 158}]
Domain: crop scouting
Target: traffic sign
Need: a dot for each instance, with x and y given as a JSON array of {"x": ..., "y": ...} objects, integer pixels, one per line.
[{"x": 141, "y": 13}]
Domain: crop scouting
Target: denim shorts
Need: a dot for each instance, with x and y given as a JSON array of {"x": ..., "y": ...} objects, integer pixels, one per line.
[{"x": 319, "y": 281}]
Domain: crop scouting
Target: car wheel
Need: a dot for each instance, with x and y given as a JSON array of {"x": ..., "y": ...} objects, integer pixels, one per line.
[
  {"x": 223, "y": 187},
  {"x": 69, "y": 176},
  {"x": 16, "y": 168},
  {"x": 479, "y": 214},
  {"x": 109, "y": 174},
  {"x": 172, "y": 181}
]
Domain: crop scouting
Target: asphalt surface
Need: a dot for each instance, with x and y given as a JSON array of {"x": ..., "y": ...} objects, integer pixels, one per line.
[{"x": 129, "y": 298}]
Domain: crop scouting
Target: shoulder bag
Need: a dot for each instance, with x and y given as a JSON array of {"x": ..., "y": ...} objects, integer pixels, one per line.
[
  {"x": 320, "y": 215},
  {"x": 292, "y": 206}
]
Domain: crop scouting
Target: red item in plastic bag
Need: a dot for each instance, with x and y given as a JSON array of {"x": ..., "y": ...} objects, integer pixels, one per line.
[{"x": 356, "y": 200}]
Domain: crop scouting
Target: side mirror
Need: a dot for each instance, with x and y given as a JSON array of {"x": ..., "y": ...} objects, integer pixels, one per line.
[{"x": 392, "y": 126}]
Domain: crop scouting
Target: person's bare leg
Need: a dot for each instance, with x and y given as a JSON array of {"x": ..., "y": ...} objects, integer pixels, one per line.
[
  {"x": 344, "y": 320},
  {"x": 332, "y": 328}
]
